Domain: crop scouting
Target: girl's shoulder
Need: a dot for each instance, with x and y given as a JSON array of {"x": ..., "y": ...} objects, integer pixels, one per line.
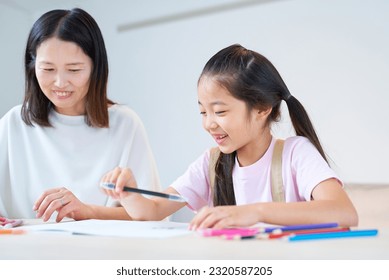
[
  {"x": 203, "y": 161},
  {"x": 300, "y": 147},
  {"x": 297, "y": 142}
]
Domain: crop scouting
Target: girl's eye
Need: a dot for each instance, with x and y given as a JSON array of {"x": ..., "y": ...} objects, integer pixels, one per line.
[
  {"x": 74, "y": 70},
  {"x": 48, "y": 69},
  {"x": 203, "y": 113},
  {"x": 220, "y": 112}
]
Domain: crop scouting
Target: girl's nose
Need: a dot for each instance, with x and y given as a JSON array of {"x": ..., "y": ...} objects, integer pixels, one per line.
[{"x": 210, "y": 123}]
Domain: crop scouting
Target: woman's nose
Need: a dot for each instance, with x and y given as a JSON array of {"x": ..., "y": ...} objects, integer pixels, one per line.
[{"x": 61, "y": 80}]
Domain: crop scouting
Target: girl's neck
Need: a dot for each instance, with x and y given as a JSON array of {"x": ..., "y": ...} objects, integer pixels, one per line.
[{"x": 249, "y": 155}]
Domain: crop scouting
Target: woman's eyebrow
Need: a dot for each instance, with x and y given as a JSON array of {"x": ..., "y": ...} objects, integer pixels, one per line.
[
  {"x": 75, "y": 63},
  {"x": 214, "y": 103},
  {"x": 44, "y": 62},
  {"x": 69, "y": 64}
]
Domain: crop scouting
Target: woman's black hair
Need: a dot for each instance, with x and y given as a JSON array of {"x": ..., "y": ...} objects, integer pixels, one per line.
[{"x": 75, "y": 26}]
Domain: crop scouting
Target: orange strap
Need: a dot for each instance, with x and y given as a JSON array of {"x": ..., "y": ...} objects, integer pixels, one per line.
[
  {"x": 277, "y": 186},
  {"x": 214, "y": 155}
]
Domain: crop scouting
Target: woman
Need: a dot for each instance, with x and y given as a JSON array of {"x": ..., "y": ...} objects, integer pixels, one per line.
[{"x": 55, "y": 146}]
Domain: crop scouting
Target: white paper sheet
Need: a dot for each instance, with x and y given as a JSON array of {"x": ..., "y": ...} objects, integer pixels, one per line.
[{"x": 115, "y": 228}]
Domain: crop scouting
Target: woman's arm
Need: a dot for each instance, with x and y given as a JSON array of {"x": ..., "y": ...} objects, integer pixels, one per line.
[
  {"x": 66, "y": 204},
  {"x": 100, "y": 213}
]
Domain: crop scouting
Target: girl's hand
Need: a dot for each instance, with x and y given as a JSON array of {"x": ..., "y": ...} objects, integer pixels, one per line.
[
  {"x": 120, "y": 177},
  {"x": 62, "y": 201},
  {"x": 224, "y": 217}
]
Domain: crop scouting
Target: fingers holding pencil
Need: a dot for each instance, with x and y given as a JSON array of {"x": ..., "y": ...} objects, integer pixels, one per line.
[{"x": 119, "y": 177}]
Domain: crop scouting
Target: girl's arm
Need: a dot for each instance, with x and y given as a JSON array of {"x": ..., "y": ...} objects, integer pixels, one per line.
[
  {"x": 137, "y": 206},
  {"x": 330, "y": 204}
]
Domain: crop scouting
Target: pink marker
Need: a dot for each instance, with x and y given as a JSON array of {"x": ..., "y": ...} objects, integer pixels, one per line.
[{"x": 229, "y": 233}]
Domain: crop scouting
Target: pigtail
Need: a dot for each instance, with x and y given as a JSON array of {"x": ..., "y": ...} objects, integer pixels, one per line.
[
  {"x": 223, "y": 190},
  {"x": 302, "y": 123}
]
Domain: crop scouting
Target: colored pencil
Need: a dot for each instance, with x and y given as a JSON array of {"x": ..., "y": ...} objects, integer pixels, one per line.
[
  {"x": 328, "y": 235},
  {"x": 11, "y": 231},
  {"x": 298, "y": 227},
  {"x": 298, "y": 232},
  {"x": 230, "y": 232}
]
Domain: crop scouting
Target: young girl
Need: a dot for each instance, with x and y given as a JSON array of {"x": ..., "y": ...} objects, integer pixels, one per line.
[{"x": 239, "y": 95}]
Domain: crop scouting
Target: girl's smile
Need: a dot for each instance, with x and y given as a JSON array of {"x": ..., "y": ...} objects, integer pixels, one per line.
[
  {"x": 231, "y": 124},
  {"x": 219, "y": 138}
]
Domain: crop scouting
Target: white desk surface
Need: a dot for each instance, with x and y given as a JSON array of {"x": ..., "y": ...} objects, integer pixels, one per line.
[{"x": 44, "y": 245}]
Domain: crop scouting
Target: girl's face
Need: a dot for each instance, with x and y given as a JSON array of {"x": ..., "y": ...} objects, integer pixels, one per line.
[
  {"x": 63, "y": 72},
  {"x": 231, "y": 125}
]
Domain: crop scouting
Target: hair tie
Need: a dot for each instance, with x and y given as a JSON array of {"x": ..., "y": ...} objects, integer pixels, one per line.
[{"x": 286, "y": 98}]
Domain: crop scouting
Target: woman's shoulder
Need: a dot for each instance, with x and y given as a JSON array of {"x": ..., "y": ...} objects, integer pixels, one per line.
[
  {"x": 14, "y": 114},
  {"x": 121, "y": 109},
  {"x": 119, "y": 112}
]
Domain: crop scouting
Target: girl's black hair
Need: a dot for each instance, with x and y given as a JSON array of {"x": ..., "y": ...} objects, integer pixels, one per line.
[{"x": 252, "y": 78}]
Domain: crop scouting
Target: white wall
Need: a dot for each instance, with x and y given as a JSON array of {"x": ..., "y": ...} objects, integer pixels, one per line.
[
  {"x": 333, "y": 55},
  {"x": 14, "y": 28}
]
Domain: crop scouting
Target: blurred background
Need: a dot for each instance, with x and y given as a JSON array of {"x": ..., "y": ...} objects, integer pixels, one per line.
[{"x": 332, "y": 54}]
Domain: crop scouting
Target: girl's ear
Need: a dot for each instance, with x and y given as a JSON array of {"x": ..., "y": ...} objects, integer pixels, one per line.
[{"x": 264, "y": 113}]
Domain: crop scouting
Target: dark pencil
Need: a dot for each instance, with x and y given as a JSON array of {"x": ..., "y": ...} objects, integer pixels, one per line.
[{"x": 172, "y": 197}]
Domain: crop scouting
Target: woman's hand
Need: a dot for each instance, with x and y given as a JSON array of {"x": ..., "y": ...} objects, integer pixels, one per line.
[
  {"x": 224, "y": 217},
  {"x": 62, "y": 201},
  {"x": 120, "y": 177}
]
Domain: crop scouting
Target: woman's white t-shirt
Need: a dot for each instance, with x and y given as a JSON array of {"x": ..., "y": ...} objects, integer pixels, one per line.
[{"x": 69, "y": 154}]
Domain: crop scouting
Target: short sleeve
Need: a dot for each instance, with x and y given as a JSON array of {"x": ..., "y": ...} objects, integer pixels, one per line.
[
  {"x": 308, "y": 167},
  {"x": 193, "y": 185}
]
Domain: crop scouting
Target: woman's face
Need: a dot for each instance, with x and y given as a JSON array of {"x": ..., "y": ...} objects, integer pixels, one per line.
[{"x": 63, "y": 72}]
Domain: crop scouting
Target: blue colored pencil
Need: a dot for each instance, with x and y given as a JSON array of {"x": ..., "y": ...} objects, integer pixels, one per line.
[
  {"x": 299, "y": 227},
  {"x": 340, "y": 234}
]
